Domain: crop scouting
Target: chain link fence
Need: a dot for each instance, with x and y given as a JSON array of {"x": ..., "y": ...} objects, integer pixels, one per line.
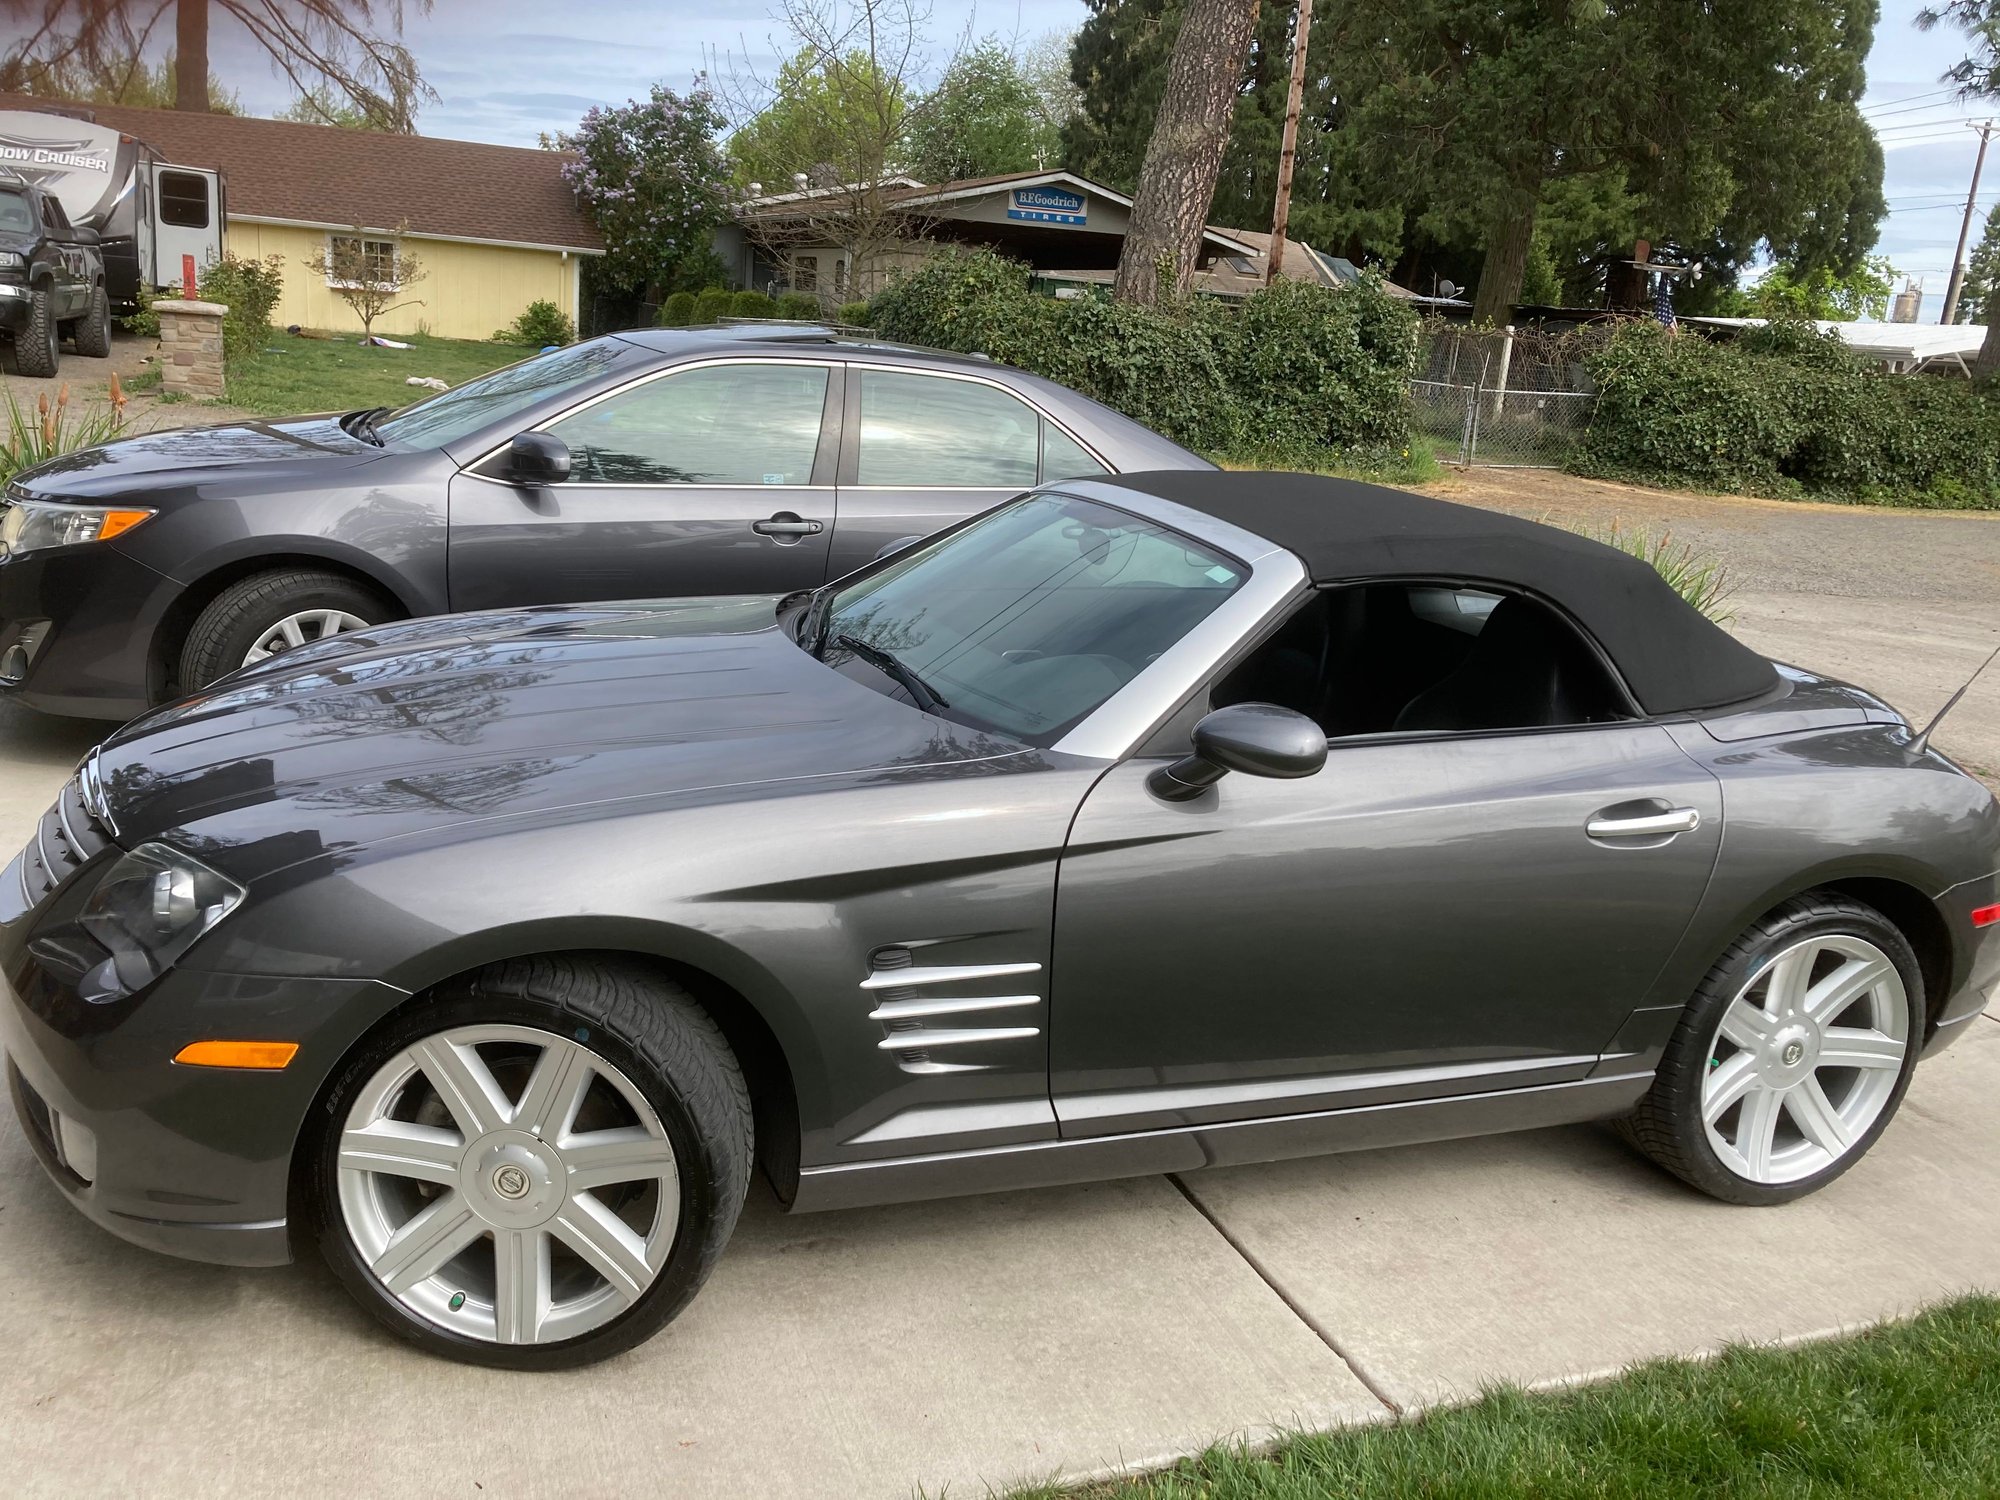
[{"x": 1506, "y": 398}]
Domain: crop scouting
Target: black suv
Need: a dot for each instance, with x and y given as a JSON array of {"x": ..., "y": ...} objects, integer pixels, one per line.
[{"x": 51, "y": 281}]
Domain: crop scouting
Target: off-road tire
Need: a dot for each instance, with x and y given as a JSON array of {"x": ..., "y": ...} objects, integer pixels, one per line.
[
  {"x": 650, "y": 1029},
  {"x": 224, "y": 632},
  {"x": 1667, "y": 1126},
  {"x": 35, "y": 350},
  {"x": 92, "y": 331}
]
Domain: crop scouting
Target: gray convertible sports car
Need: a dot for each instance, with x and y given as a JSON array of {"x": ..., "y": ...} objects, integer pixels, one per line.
[{"x": 1136, "y": 825}]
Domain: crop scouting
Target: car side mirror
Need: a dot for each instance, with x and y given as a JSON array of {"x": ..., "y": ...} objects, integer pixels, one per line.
[
  {"x": 81, "y": 234},
  {"x": 1258, "y": 739},
  {"x": 537, "y": 458},
  {"x": 896, "y": 546}
]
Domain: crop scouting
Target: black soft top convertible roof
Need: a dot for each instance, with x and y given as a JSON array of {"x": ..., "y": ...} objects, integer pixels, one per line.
[{"x": 1672, "y": 657}]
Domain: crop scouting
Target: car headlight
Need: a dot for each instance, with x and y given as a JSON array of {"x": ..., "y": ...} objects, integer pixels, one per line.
[
  {"x": 31, "y": 525},
  {"x": 147, "y": 911}
]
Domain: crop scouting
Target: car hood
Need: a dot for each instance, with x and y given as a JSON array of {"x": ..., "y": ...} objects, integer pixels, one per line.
[
  {"x": 522, "y": 713},
  {"x": 159, "y": 462}
]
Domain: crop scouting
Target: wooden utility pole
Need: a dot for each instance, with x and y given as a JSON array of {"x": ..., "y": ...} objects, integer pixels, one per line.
[
  {"x": 1951, "y": 289},
  {"x": 1288, "y": 154}
]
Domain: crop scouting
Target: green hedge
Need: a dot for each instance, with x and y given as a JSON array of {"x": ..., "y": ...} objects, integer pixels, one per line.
[
  {"x": 1296, "y": 369},
  {"x": 677, "y": 311},
  {"x": 1787, "y": 410},
  {"x": 712, "y": 305},
  {"x": 803, "y": 306}
]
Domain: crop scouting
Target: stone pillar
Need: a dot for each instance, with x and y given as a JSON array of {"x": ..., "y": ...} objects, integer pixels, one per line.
[{"x": 191, "y": 349}]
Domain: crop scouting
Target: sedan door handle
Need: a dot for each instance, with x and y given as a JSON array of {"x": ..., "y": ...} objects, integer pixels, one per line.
[
  {"x": 784, "y": 523},
  {"x": 1645, "y": 825}
]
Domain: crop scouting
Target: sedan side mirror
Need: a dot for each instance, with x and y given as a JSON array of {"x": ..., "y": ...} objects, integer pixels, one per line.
[
  {"x": 1258, "y": 739},
  {"x": 537, "y": 458}
]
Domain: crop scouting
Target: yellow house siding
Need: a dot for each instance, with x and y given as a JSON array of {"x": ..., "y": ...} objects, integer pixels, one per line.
[{"x": 467, "y": 291}]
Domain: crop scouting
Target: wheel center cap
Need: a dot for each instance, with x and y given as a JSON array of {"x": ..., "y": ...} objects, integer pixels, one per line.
[
  {"x": 513, "y": 1180},
  {"x": 1790, "y": 1056}
]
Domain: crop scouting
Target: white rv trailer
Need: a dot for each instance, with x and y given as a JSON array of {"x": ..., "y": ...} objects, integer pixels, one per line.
[{"x": 148, "y": 212}]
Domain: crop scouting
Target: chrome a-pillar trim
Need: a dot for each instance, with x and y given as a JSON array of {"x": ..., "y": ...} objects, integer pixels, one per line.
[{"x": 1124, "y": 719}]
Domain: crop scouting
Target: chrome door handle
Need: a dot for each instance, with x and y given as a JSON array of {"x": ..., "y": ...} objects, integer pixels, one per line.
[
  {"x": 787, "y": 525},
  {"x": 1649, "y": 825}
]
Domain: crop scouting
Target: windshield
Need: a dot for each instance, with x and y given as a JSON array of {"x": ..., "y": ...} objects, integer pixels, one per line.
[
  {"x": 464, "y": 410},
  {"x": 1026, "y": 621}
]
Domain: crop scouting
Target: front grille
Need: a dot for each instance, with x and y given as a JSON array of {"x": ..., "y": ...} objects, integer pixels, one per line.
[{"x": 65, "y": 840}]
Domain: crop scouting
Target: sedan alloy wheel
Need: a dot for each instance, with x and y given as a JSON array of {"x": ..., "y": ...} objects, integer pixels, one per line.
[{"x": 301, "y": 628}]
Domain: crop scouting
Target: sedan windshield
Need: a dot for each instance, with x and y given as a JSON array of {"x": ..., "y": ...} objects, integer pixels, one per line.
[
  {"x": 464, "y": 410},
  {"x": 1028, "y": 619}
]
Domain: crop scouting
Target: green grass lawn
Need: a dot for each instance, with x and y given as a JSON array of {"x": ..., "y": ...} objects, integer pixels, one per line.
[
  {"x": 339, "y": 374},
  {"x": 1912, "y": 1409}
]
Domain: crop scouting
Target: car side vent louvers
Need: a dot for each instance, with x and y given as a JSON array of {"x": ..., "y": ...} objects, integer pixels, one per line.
[
  {"x": 67, "y": 838},
  {"x": 923, "y": 1010}
]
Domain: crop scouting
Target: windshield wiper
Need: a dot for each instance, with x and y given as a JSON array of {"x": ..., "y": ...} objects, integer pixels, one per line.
[
  {"x": 875, "y": 656},
  {"x": 361, "y": 424}
]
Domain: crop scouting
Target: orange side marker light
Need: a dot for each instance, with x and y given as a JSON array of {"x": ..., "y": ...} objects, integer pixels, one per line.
[{"x": 268, "y": 1056}]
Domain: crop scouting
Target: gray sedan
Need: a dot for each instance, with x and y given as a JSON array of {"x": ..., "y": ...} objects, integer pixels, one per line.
[
  {"x": 639, "y": 466},
  {"x": 1137, "y": 825}
]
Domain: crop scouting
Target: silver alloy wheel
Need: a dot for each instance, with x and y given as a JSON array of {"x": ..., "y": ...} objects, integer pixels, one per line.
[
  {"x": 520, "y": 1217},
  {"x": 1805, "y": 1059},
  {"x": 296, "y": 630}
]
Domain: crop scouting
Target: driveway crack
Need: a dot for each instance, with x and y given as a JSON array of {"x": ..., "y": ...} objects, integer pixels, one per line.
[{"x": 1325, "y": 1335}]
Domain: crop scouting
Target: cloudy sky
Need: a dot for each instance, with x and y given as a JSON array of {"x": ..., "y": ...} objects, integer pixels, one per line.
[{"x": 510, "y": 69}]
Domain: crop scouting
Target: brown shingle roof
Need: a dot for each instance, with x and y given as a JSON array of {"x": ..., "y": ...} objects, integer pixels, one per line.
[{"x": 324, "y": 175}]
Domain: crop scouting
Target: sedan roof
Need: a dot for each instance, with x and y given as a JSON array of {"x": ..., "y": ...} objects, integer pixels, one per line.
[{"x": 1672, "y": 656}]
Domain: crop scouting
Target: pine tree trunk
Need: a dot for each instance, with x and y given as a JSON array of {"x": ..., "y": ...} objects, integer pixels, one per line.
[
  {"x": 1505, "y": 268},
  {"x": 1184, "y": 157},
  {"x": 1987, "y": 361},
  {"x": 191, "y": 55}
]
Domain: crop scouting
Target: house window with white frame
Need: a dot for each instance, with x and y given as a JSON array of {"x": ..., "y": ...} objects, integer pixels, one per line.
[{"x": 375, "y": 258}]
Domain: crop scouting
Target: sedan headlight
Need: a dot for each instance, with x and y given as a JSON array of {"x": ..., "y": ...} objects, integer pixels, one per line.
[
  {"x": 31, "y": 525},
  {"x": 147, "y": 911}
]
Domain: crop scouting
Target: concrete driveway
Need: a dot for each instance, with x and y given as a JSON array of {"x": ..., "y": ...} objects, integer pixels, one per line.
[{"x": 986, "y": 1341}]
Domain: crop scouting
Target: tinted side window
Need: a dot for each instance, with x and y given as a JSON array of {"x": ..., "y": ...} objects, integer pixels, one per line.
[
  {"x": 184, "y": 200},
  {"x": 1065, "y": 458},
  {"x": 722, "y": 424},
  {"x": 936, "y": 432}
]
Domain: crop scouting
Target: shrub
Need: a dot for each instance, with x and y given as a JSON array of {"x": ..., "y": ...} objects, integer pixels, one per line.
[
  {"x": 853, "y": 314},
  {"x": 1787, "y": 410},
  {"x": 752, "y": 305},
  {"x": 51, "y": 428},
  {"x": 677, "y": 311},
  {"x": 540, "y": 323},
  {"x": 711, "y": 306},
  {"x": 1296, "y": 368},
  {"x": 801, "y": 305}
]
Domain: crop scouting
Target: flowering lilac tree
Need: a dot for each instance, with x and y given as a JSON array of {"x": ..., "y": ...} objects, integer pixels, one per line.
[{"x": 652, "y": 177}]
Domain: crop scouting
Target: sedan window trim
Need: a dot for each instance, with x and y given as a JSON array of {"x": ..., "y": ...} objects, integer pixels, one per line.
[
  {"x": 850, "y": 441},
  {"x": 833, "y": 367}
]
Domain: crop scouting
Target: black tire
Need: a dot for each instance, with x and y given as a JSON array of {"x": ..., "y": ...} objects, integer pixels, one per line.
[
  {"x": 1667, "y": 1125},
  {"x": 654, "y": 1033},
  {"x": 223, "y": 633},
  {"x": 35, "y": 351},
  {"x": 93, "y": 329}
]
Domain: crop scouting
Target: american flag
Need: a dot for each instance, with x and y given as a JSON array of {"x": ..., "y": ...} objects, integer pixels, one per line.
[{"x": 1663, "y": 304}]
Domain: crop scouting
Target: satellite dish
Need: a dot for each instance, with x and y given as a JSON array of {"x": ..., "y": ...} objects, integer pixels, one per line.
[{"x": 1447, "y": 289}]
